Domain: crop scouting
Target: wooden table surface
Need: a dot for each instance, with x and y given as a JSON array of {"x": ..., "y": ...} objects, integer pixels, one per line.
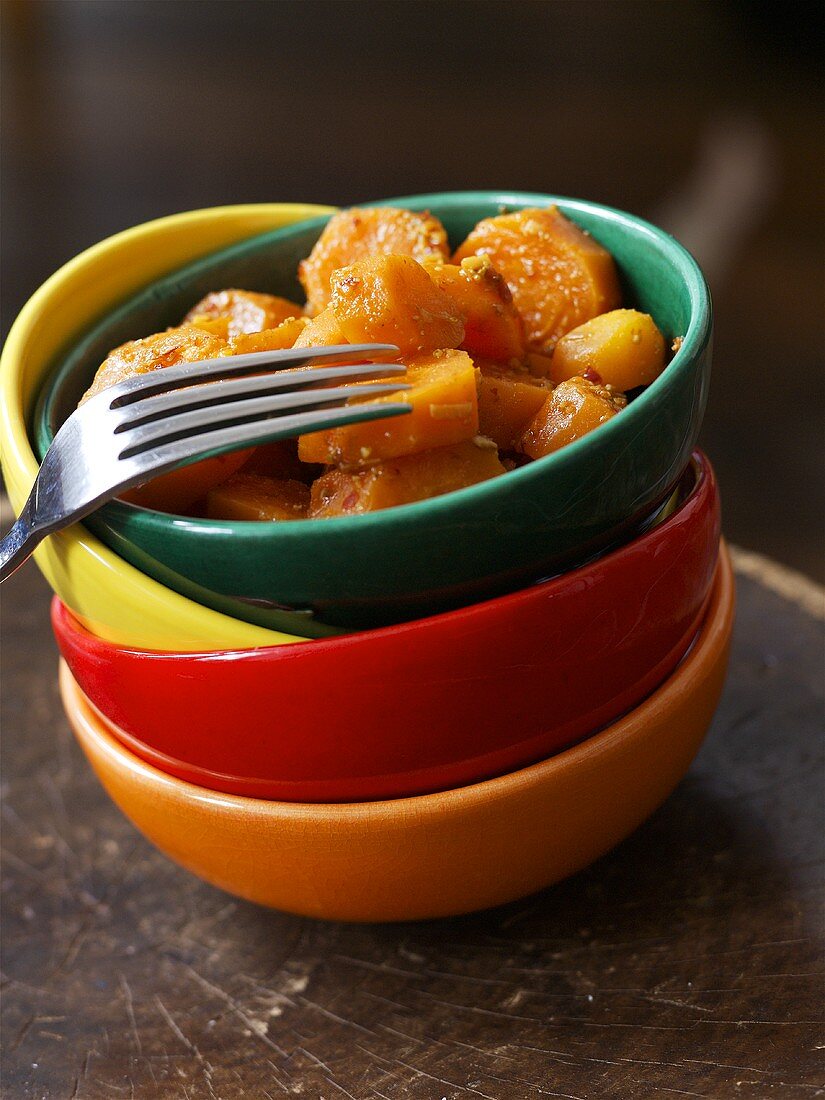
[{"x": 688, "y": 962}]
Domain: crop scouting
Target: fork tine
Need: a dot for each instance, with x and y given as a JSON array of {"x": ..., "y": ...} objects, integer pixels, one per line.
[
  {"x": 141, "y": 436},
  {"x": 186, "y": 374},
  {"x": 219, "y": 392},
  {"x": 149, "y": 463}
]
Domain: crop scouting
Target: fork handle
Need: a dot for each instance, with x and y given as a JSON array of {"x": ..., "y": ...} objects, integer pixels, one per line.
[{"x": 20, "y": 542}]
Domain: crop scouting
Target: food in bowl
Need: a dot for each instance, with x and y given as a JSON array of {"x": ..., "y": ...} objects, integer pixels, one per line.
[
  {"x": 403, "y": 562},
  {"x": 515, "y": 346}
]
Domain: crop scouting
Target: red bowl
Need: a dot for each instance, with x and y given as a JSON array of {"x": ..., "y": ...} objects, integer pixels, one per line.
[{"x": 422, "y": 706}]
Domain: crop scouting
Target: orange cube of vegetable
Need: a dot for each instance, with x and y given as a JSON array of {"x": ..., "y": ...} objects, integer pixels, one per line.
[
  {"x": 444, "y": 411},
  {"x": 403, "y": 480},
  {"x": 322, "y": 331},
  {"x": 508, "y": 399},
  {"x": 392, "y": 300},
  {"x": 186, "y": 344},
  {"x": 243, "y": 311},
  {"x": 573, "y": 409},
  {"x": 217, "y": 326},
  {"x": 178, "y": 490},
  {"x": 559, "y": 276},
  {"x": 255, "y": 497},
  {"x": 492, "y": 326},
  {"x": 624, "y": 348},
  {"x": 280, "y": 338},
  {"x": 352, "y": 234}
]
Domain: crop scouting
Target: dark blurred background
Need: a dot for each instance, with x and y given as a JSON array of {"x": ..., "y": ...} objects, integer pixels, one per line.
[{"x": 704, "y": 116}]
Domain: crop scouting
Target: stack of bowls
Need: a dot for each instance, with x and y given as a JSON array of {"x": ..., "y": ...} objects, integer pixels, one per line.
[{"x": 408, "y": 714}]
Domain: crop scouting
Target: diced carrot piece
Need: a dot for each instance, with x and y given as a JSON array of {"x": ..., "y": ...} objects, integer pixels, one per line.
[
  {"x": 243, "y": 310},
  {"x": 508, "y": 399},
  {"x": 186, "y": 344},
  {"x": 444, "y": 411},
  {"x": 624, "y": 348},
  {"x": 352, "y": 234},
  {"x": 403, "y": 480},
  {"x": 392, "y": 300},
  {"x": 322, "y": 331},
  {"x": 177, "y": 490},
  {"x": 559, "y": 276},
  {"x": 280, "y": 338},
  {"x": 574, "y": 408},
  {"x": 255, "y": 497},
  {"x": 492, "y": 326},
  {"x": 218, "y": 326}
]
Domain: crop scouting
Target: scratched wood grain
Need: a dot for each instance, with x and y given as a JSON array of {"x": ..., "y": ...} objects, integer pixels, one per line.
[{"x": 687, "y": 962}]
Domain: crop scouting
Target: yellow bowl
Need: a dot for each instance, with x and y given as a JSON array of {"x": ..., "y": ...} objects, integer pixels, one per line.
[
  {"x": 440, "y": 854},
  {"x": 113, "y": 599}
]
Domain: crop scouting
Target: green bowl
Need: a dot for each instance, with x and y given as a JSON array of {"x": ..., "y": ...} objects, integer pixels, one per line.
[{"x": 468, "y": 545}]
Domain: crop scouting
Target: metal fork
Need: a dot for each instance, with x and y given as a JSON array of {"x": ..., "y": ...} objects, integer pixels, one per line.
[{"x": 142, "y": 427}]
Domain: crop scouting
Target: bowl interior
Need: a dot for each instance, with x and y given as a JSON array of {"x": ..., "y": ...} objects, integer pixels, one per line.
[{"x": 657, "y": 274}]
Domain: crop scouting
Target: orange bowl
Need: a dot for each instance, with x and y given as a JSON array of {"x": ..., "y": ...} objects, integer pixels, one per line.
[{"x": 434, "y": 855}]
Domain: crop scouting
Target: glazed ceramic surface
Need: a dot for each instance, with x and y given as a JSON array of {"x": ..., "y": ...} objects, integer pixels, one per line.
[
  {"x": 412, "y": 560},
  {"x": 440, "y": 854},
  {"x": 114, "y": 599},
  {"x": 426, "y": 705}
]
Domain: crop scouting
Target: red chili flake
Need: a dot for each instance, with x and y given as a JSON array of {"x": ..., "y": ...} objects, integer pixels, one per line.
[
  {"x": 350, "y": 500},
  {"x": 592, "y": 376}
]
